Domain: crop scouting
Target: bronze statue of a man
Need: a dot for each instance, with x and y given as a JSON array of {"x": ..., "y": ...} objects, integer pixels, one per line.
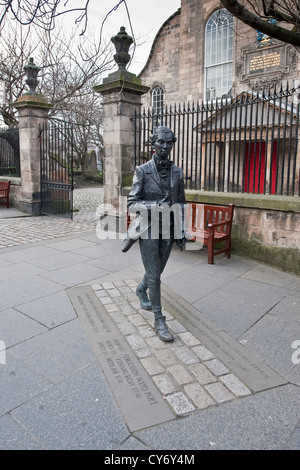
[{"x": 157, "y": 186}]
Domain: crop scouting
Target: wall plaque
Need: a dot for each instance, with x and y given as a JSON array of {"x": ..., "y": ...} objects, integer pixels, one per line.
[
  {"x": 261, "y": 62},
  {"x": 265, "y": 65}
]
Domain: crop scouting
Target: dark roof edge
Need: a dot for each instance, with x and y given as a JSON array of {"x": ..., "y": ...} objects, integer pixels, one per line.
[{"x": 156, "y": 37}]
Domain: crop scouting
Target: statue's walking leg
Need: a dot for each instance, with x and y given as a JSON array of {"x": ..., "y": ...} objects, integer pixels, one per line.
[
  {"x": 155, "y": 254},
  {"x": 141, "y": 292}
]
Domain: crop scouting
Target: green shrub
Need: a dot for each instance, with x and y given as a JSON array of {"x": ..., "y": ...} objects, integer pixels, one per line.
[{"x": 94, "y": 175}]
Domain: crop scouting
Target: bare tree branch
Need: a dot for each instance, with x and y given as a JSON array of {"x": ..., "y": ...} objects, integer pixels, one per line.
[
  {"x": 63, "y": 73},
  {"x": 45, "y": 13},
  {"x": 256, "y": 15}
]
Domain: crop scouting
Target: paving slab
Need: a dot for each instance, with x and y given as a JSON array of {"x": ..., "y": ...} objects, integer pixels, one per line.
[
  {"x": 50, "y": 310},
  {"x": 72, "y": 244},
  {"x": 57, "y": 353},
  {"x": 16, "y": 327},
  {"x": 77, "y": 414},
  {"x": 25, "y": 289},
  {"x": 19, "y": 255},
  {"x": 18, "y": 384},
  {"x": 223, "y": 268},
  {"x": 294, "y": 442},
  {"x": 76, "y": 274},
  {"x": 264, "y": 421},
  {"x": 14, "y": 437},
  {"x": 273, "y": 337},
  {"x": 132, "y": 444},
  {"x": 15, "y": 272},
  {"x": 58, "y": 260},
  {"x": 98, "y": 250},
  {"x": 4, "y": 263},
  {"x": 193, "y": 287},
  {"x": 268, "y": 275},
  {"x": 240, "y": 304}
]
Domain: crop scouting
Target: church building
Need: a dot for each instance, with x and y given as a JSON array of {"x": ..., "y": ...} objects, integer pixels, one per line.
[{"x": 203, "y": 53}]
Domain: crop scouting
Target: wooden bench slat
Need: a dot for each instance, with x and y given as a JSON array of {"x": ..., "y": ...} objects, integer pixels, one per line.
[
  {"x": 217, "y": 221},
  {"x": 4, "y": 192}
]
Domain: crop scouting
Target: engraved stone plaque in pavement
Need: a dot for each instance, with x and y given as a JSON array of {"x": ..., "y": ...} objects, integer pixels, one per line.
[
  {"x": 139, "y": 399},
  {"x": 253, "y": 372},
  {"x": 153, "y": 382}
]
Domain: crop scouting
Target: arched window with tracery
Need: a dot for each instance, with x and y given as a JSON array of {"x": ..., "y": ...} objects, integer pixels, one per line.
[
  {"x": 218, "y": 55},
  {"x": 157, "y": 100}
]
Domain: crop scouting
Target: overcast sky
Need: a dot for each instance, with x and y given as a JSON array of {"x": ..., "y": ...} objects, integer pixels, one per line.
[{"x": 146, "y": 16}]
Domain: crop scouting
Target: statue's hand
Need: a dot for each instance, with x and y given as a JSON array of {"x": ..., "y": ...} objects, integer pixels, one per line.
[{"x": 166, "y": 201}]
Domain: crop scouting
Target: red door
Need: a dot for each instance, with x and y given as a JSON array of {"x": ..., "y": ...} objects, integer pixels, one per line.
[{"x": 255, "y": 167}]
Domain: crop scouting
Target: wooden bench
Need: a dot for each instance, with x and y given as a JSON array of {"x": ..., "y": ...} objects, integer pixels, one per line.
[
  {"x": 211, "y": 225},
  {"x": 4, "y": 192}
]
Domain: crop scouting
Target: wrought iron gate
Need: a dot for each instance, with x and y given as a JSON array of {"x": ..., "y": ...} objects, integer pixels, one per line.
[
  {"x": 56, "y": 148},
  {"x": 9, "y": 152}
]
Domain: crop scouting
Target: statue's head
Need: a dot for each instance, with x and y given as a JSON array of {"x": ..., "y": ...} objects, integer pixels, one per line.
[{"x": 162, "y": 141}]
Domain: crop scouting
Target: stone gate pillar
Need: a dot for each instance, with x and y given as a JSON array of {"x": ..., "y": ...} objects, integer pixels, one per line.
[
  {"x": 32, "y": 112},
  {"x": 121, "y": 92}
]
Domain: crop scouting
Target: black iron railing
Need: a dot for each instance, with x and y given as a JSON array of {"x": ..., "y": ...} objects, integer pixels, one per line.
[
  {"x": 246, "y": 144},
  {"x": 9, "y": 152}
]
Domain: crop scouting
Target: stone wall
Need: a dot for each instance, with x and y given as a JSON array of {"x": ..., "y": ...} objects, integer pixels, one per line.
[
  {"x": 162, "y": 67},
  {"x": 265, "y": 228},
  {"x": 273, "y": 228},
  {"x": 269, "y": 236}
]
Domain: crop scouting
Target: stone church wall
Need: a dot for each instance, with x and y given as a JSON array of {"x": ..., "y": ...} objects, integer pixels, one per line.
[{"x": 176, "y": 61}]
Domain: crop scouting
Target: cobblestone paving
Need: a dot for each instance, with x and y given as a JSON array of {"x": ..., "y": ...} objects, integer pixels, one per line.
[
  {"x": 187, "y": 374},
  {"x": 28, "y": 230},
  {"x": 86, "y": 200},
  {"x": 22, "y": 230}
]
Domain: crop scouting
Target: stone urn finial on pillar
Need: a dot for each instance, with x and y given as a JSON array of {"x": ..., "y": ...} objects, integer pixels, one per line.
[
  {"x": 121, "y": 93},
  {"x": 122, "y": 43},
  {"x": 31, "y": 71}
]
